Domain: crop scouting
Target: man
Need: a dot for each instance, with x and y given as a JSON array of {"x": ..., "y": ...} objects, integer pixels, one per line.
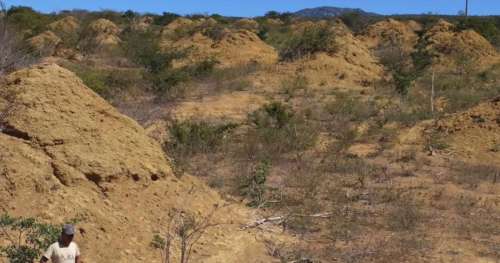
[{"x": 64, "y": 250}]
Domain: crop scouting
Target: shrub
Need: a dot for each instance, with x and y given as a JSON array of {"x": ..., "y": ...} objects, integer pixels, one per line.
[
  {"x": 144, "y": 49},
  {"x": 291, "y": 86},
  {"x": 276, "y": 129},
  {"x": 253, "y": 185},
  {"x": 351, "y": 108},
  {"x": 307, "y": 42},
  {"x": 405, "y": 216},
  {"x": 471, "y": 175},
  {"x": 165, "y": 19},
  {"x": 192, "y": 137},
  {"x": 23, "y": 239},
  {"x": 26, "y": 19},
  {"x": 13, "y": 52},
  {"x": 106, "y": 83}
]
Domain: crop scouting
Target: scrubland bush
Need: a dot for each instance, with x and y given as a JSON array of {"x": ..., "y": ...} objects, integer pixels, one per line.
[
  {"x": 165, "y": 19},
  {"x": 144, "y": 49},
  {"x": 472, "y": 175},
  {"x": 253, "y": 184},
  {"x": 290, "y": 86},
  {"x": 307, "y": 42},
  {"x": 24, "y": 239},
  {"x": 13, "y": 52},
  {"x": 351, "y": 108},
  {"x": 107, "y": 82},
  {"x": 278, "y": 129},
  {"x": 405, "y": 215},
  {"x": 192, "y": 137},
  {"x": 25, "y": 19}
]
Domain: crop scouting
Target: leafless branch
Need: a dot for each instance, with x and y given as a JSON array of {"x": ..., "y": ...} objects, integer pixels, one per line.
[{"x": 281, "y": 219}]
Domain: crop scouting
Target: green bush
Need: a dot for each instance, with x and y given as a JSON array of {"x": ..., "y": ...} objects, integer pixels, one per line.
[
  {"x": 107, "y": 83},
  {"x": 253, "y": 185},
  {"x": 351, "y": 108},
  {"x": 144, "y": 49},
  {"x": 26, "y": 19},
  {"x": 277, "y": 129},
  {"x": 192, "y": 137},
  {"x": 307, "y": 42},
  {"x": 24, "y": 239}
]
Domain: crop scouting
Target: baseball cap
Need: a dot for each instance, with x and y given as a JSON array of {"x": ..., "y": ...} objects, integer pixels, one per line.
[{"x": 68, "y": 229}]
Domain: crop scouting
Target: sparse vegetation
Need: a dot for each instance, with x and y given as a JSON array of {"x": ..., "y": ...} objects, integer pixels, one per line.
[
  {"x": 24, "y": 239},
  {"x": 348, "y": 162},
  {"x": 193, "y": 137},
  {"x": 253, "y": 185},
  {"x": 308, "y": 41},
  {"x": 279, "y": 129},
  {"x": 13, "y": 52},
  {"x": 183, "y": 231}
]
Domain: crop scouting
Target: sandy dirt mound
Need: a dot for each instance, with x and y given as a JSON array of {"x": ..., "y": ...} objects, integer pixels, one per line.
[
  {"x": 247, "y": 24},
  {"x": 67, "y": 25},
  {"x": 351, "y": 66},
  {"x": 101, "y": 34},
  {"x": 142, "y": 24},
  {"x": 475, "y": 133},
  {"x": 45, "y": 43},
  {"x": 447, "y": 44},
  {"x": 229, "y": 47},
  {"x": 391, "y": 32},
  {"x": 65, "y": 153}
]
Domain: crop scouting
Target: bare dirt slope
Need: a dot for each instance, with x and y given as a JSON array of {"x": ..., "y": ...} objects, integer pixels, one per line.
[
  {"x": 447, "y": 45},
  {"x": 65, "y": 153},
  {"x": 475, "y": 133},
  {"x": 391, "y": 33}
]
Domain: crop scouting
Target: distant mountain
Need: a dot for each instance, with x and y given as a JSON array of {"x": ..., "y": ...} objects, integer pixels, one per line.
[{"x": 327, "y": 11}]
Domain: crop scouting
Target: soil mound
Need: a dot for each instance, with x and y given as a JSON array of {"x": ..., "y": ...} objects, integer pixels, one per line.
[
  {"x": 391, "y": 32},
  {"x": 351, "y": 64},
  {"x": 229, "y": 47},
  {"x": 142, "y": 24},
  {"x": 101, "y": 34},
  {"x": 65, "y": 153},
  {"x": 67, "y": 25},
  {"x": 247, "y": 24},
  {"x": 474, "y": 133},
  {"x": 45, "y": 43},
  {"x": 445, "y": 43}
]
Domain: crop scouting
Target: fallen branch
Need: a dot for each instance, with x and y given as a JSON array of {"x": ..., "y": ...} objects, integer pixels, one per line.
[{"x": 281, "y": 219}]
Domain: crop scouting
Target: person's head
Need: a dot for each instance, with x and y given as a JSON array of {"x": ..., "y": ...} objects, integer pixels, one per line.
[{"x": 67, "y": 233}]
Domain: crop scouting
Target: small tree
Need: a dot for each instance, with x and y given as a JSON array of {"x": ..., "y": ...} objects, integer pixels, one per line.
[
  {"x": 12, "y": 53},
  {"x": 185, "y": 229},
  {"x": 23, "y": 239},
  {"x": 308, "y": 41},
  {"x": 254, "y": 185}
]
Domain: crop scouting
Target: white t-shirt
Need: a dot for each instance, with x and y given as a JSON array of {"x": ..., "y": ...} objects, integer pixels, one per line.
[{"x": 58, "y": 254}]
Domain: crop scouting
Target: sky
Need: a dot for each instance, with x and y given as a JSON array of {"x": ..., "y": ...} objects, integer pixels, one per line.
[{"x": 251, "y": 8}]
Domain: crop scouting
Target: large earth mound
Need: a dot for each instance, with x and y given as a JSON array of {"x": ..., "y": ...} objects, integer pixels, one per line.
[
  {"x": 45, "y": 44},
  {"x": 352, "y": 65},
  {"x": 65, "y": 153},
  {"x": 229, "y": 47},
  {"x": 101, "y": 35},
  {"x": 447, "y": 45},
  {"x": 392, "y": 32},
  {"x": 474, "y": 133},
  {"x": 65, "y": 26}
]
